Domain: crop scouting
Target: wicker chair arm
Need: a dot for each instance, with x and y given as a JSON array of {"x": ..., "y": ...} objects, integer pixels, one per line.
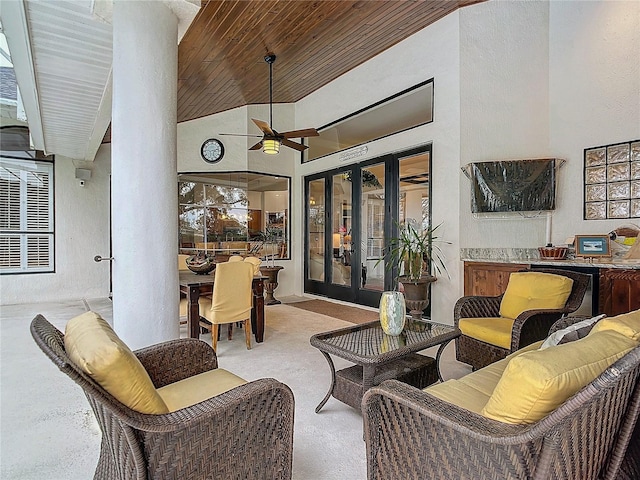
[
  {"x": 411, "y": 434},
  {"x": 476, "y": 306},
  {"x": 212, "y": 409},
  {"x": 531, "y": 326},
  {"x": 244, "y": 433},
  {"x": 564, "y": 322},
  {"x": 171, "y": 361}
]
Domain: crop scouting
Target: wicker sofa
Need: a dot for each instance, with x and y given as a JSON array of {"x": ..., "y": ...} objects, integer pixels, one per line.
[
  {"x": 414, "y": 434},
  {"x": 243, "y": 433}
]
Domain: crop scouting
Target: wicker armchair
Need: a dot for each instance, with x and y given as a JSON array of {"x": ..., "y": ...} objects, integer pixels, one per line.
[
  {"x": 411, "y": 434},
  {"x": 245, "y": 433},
  {"x": 529, "y": 327}
]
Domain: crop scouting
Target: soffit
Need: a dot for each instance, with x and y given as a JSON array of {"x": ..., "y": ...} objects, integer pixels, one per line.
[{"x": 71, "y": 63}]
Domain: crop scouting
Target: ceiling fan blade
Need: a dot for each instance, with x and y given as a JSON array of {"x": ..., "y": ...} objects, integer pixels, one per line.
[
  {"x": 240, "y": 135},
  {"x": 257, "y": 146},
  {"x": 264, "y": 126},
  {"x": 307, "y": 132},
  {"x": 294, "y": 145}
]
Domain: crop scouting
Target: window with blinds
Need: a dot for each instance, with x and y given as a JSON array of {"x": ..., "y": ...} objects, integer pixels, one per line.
[{"x": 26, "y": 216}]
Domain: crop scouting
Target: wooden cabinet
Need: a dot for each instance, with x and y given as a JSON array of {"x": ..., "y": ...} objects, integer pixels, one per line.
[
  {"x": 488, "y": 279},
  {"x": 619, "y": 291}
]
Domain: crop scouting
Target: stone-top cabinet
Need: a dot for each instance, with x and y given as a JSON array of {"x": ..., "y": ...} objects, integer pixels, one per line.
[{"x": 619, "y": 286}]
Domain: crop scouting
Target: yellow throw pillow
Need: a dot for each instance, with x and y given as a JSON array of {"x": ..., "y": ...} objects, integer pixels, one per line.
[
  {"x": 93, "y": 346},
  {"x": 539, "y": 381},
  {"x": 628, "y": 324},
  {"x": 533, "y": 291}
]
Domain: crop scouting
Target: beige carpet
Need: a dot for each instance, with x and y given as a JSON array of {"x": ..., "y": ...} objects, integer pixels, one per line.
[{"x": 337, "y": 310}]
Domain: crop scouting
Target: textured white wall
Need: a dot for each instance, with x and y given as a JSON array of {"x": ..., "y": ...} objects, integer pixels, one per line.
[
  {"x": 81, "y": 232},
  {"x": 594, "y": 96},
  {"x": 431, "y": 53},
  {"x": 191, "y": 134},
  {"x": 504, "y": 98},
  {"x": 546, "y": 79}
]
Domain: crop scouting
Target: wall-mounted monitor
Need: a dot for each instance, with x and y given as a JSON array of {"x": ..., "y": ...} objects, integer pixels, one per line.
[{"x": 513, "y": 185}]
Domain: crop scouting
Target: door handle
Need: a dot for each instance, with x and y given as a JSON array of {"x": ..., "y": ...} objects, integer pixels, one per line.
[{"x": 98, "y": 258}]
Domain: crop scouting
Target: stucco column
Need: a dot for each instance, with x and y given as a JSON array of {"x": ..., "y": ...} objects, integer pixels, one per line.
[{"x": 144, "y": 166}]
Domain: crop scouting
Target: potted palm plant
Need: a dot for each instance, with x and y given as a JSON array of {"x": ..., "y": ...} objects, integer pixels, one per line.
[{"x": 418, "y": 256}]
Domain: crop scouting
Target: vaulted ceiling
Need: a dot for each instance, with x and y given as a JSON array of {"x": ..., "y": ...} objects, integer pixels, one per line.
[{"x": 220, "y": 57}]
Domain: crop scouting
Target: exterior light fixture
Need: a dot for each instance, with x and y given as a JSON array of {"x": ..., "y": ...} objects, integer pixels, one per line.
[{"x": 271, "y": 146}]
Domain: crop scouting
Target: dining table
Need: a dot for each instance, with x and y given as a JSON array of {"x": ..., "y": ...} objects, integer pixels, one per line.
[{"x": 193, "y": 285}]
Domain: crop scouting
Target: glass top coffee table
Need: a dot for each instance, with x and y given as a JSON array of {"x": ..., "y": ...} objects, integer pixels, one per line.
[{"x": 378, "y": 357}]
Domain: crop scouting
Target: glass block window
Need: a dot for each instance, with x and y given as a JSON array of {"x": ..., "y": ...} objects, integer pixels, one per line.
[
  {"x": 612, "y": 181},
  {"x": 26, "y": 216}
]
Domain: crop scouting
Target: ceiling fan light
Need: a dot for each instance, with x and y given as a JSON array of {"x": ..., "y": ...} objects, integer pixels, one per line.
[{"x": 271, "y": 146}]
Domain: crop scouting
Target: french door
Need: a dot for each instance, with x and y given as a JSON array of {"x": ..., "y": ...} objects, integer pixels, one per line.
[{"x": 351, "y": 212}]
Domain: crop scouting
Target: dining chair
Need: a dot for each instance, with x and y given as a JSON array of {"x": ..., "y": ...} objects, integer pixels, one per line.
[
  {"x": 235, "y": 258},
  {"x": 231, "y": 300},
  {"x": 182, "y": 267},
  {"x": 255, "y": 261},
  {"x": 182, "y": 262}
]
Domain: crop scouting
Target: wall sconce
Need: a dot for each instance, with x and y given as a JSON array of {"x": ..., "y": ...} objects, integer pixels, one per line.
[{"x": 271, "y": 146}]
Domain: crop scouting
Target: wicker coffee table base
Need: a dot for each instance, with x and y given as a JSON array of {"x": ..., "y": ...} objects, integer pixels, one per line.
[{"x": 347, "y": 385}]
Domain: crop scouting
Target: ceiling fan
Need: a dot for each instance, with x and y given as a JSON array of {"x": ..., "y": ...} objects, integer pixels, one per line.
[{"x": 272, "y": 139}]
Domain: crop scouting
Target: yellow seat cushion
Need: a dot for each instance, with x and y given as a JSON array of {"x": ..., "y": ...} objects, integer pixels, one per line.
[
  {"x": 198, "y": 388},
  {"x": 539, "y": 381},
  {"x": 473, "y": 391},
  {"x": 493, "y": 330},
  {"x": 534, "y": 290},
  {"x": 94, "y": 347},
  {"x": 460, "y": 394},
  {"x": 628, "y": 324}
]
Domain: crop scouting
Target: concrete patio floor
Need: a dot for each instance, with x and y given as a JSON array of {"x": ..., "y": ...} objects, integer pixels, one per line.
[{"x": 47, "y": 429}]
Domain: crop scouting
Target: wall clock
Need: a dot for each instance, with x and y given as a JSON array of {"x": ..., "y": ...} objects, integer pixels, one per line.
[{"x": 212, "y": 150}]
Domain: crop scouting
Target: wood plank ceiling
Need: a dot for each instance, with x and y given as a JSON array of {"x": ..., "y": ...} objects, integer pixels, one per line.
[{"x": 221, "y": 57}]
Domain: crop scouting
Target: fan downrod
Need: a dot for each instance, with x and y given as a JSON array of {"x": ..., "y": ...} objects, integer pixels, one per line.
[{"x": 270, "y": 58}]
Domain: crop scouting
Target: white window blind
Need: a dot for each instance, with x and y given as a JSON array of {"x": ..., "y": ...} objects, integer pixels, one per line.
[{"x": 26, "y": 216}]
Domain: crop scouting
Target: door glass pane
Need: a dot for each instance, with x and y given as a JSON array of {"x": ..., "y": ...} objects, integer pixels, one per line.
[
  {"x": 372, "y": 227},
  {"x": 316, "y": 206},
  {"x": 414, "y": 191},
  {"x": 341, "y": 229}
]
